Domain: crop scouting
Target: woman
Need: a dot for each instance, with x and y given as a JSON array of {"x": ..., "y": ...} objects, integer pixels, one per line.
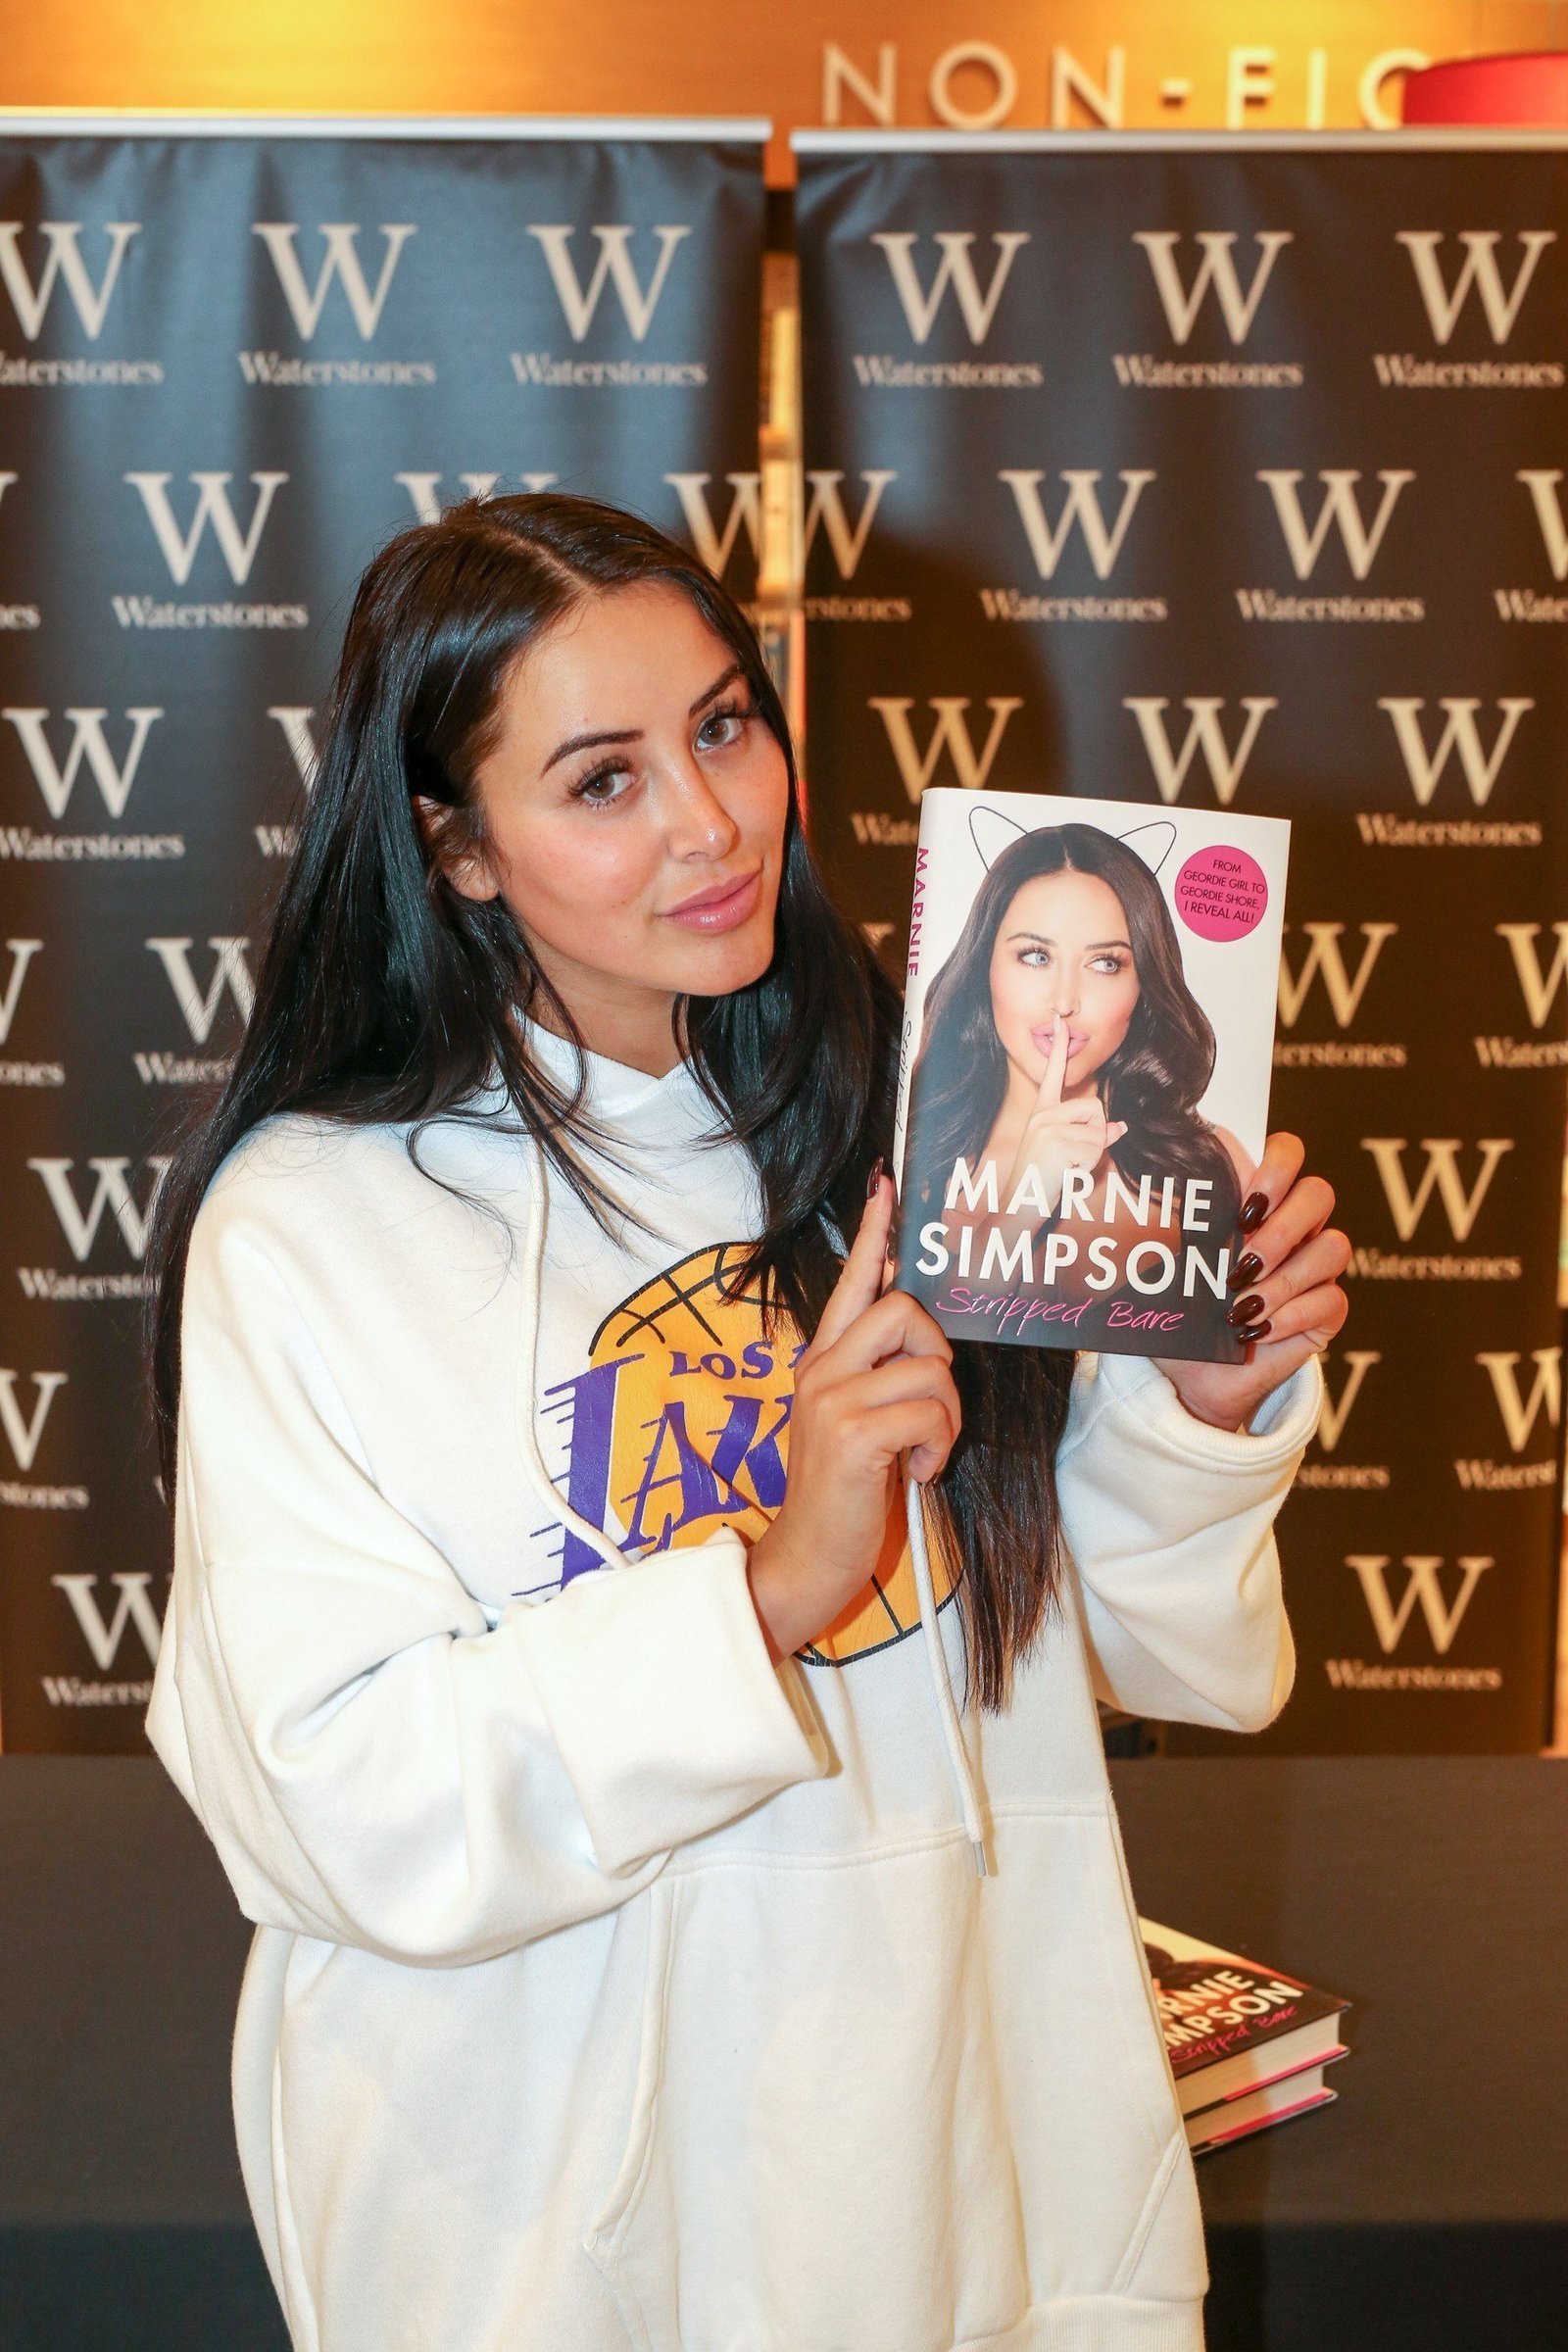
[
  {"x": 621, "y": 1979},
  {"x": 1061, "y": 1042}
]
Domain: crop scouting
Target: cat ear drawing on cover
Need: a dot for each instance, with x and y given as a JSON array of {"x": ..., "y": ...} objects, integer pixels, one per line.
[{"x": 992, "y": 831}]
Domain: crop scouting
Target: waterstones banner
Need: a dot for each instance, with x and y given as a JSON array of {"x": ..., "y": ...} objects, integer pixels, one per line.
[
  {"x": 230, "y": 366},
  {"x": 1227, "y": 472}
]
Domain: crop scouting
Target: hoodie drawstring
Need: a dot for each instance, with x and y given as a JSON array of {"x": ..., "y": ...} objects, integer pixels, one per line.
[
  {"x": 940, "y": 1682},
  {"x": 554, "y": 1501},
  {"x": 544, "y": 1485}
]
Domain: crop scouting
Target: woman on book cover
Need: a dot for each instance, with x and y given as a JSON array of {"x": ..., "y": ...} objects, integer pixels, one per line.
[
  {"x": 638, "y": 1676},
  {"x": 1061, "y": 1042}
]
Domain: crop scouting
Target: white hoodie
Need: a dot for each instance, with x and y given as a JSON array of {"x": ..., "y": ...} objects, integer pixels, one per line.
[{"x": 613, "y": 1988}]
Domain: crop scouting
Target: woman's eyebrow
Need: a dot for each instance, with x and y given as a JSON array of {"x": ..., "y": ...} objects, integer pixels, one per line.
[
  {"x": 588, "y": 743},
  {"x": 1043, "y": 939},
  {"x": 718, "y": 687}
]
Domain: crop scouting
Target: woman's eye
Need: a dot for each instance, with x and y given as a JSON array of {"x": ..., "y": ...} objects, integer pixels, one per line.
[
  {"x": 604, "y": 789},
  {"x": 1110, "y": 965},
  {"x": 1036, "y": 957},
  {"x": 721, "y": 727}
]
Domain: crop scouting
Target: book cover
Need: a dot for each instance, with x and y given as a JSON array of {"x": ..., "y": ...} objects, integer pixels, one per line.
[
  {"x": 1232, "y": 2026},
  {"x": 1083, "y": 1090}
]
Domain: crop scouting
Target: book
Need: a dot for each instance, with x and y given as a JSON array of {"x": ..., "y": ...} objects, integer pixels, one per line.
[
  {"x": 1246, "y": 2044},
  {"x": 1083, "y": 1083},
  {"x": 1274, "y": 2103}
]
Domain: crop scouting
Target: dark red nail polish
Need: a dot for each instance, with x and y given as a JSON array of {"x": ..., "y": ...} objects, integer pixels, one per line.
[
  {"x": 1245, "y": 1269},
  {"x": 1244, "y": 1309},
  {"x": 1252, "y": 1332},
  {"x": 874, "y": 1179},
  {"x": 1253, "y": 1209}
]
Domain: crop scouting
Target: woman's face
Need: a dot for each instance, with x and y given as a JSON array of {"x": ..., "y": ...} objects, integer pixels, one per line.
[
  {"x": 1062, "y": 952},
  {"x": 634, "y": 806}
]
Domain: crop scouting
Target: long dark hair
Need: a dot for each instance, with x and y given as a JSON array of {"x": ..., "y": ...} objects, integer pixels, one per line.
[
  {"x": 385, "y": 996},
  {"x": 1156, "y": 1078}
]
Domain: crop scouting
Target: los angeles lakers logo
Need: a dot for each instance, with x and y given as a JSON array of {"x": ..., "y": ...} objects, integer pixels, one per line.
[{"x": 680, "y": 1425}]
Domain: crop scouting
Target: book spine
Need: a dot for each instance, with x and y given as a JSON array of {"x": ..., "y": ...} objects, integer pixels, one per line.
[
  {"x": 901, "y": 1114},
  {"x": 913, "y": 995}
]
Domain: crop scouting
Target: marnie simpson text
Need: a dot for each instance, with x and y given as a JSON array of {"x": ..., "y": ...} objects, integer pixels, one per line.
[{"x": 1013, "y": 1245}]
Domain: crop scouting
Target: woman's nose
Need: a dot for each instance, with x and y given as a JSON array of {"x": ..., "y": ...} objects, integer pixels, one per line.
[{"x": 699, "y": 824}]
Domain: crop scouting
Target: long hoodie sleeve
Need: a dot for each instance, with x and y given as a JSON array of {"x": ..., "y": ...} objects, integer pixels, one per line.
[
  {"x": 376, "y": 1762},
  {"x": 1169, "y": 1524}
]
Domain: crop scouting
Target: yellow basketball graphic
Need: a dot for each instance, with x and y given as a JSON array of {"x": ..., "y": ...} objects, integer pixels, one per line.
[{"x": 698, "y": 1433}]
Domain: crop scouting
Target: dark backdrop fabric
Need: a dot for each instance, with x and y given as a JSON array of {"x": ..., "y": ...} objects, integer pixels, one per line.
[
  {"x": 229, "y": 368},
  {"x": 1231, "y": 471}
]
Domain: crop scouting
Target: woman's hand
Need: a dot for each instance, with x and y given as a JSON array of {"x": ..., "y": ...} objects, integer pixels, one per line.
[
  {"x": 1057, "y": 1135},
  {"x": 1288, "y": 1280},
  {"x": 875, "y": 1380}
]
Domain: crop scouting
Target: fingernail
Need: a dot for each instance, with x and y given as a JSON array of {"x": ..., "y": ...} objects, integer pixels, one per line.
[
  {"x": 875, "y": 1178},
  {"x": 1244, "y": 1308},
  {"x": 1253, "y": 1209},
  {"x": 1245, "y": 1269},
  {"x": 1250, "y": 1331}
]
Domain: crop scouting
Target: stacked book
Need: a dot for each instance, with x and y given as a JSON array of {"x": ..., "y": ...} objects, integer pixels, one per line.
[{"x": 1247, "y": 2045}]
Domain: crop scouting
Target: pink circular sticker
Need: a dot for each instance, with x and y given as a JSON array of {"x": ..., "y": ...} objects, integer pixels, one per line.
[{"x": 1221, "y": 893}]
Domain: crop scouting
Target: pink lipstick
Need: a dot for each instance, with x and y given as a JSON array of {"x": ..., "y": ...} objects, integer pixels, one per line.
[
  {"x": 1077, "y": 1039},
  {"x": 725, "y": 907}
]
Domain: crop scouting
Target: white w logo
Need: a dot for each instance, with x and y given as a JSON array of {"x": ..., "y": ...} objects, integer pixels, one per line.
[
  {"x": 825, "y": 509},
  {"x": 955, "y": 269},
  {"x": 23, "y": 951},
  {"x": 1479, "y": 269},
  {"x": 132, "y": 1608},
  {"x": 579, "y": 303},
  {"x": 424, "y": 489},
  {"x": 211, "y": 506},
  {"x": 951, "y": 733},
  {"x": 112, "y": 1191},
  {"x": 295, "y": 721},
  {"x": 1323, "y": 960},
  {"x": 230, "y": 971},
  {"x": 24, "y": 1436},
  {"x": 1442, "y": 1176},
  {"x": 1203, "y": 731},
  {"x": 31, "y": 303},
  {"x": 1335, "y": 1413},
  {"x": 1339, "y": 507},
  {"x": 1217, "y": 269},
  {"x": 1541, "y": 484},
  {"x": 1425, "y": 768},
  {"x": 1539, "y": 988},
  {"x": 715, "y": 546},
  {"x": 1519, "y": 1413},
  {"x": 87, "y": 742},
  {"x": 1423, "y": 1583},
  {"x": 1081, "y": 506},
  {"x": 342, "y": 261}
]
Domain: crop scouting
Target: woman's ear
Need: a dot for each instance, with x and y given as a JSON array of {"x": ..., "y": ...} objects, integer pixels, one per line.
[{"x": 448, "y": 842}]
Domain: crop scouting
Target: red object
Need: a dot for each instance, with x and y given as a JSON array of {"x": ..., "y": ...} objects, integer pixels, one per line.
[{"x": 1531, "y": 88}]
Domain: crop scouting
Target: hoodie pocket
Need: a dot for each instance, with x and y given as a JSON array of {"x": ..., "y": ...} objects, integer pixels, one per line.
[{"x": 819, "y": 2157}]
